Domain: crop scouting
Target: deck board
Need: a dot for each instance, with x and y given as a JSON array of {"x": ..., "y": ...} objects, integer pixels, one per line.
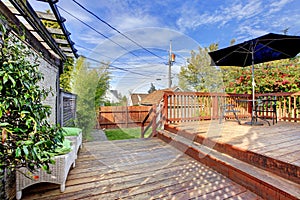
[
  {"x": 290, "y": 157},
  {"x": 280, "y": 141},
  {"x": 277, "y": 144},
  {"x": 138, "y": 169}
]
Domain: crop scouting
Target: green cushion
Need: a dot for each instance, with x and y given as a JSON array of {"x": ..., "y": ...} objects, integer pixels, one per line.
[
  {"x": 71, "y": 131},
  {"x": 66, "y": 148}
]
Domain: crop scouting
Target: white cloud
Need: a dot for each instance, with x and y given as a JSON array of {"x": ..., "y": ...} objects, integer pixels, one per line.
[
  {"x": 152, "y": 38},
  {"x": 248, "y": 32},
  {"x": 242, "y": 11},
  {"x": 155, "y": 40},
  {"x": 207, "y": 20},
  {"x": 191, "y": 18},
  {"x": 269, "y": 20},
  {"x": 90, "y": 37},
  {"x": 123, "y": 15},
  {"x": 126, "y": 22},
  {"x": 278, "y": 5}
]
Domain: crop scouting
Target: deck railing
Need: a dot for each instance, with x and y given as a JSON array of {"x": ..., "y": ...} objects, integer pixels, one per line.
[
  {"x": 156, "y": 121},
  {"x": 192, "y": 106},
  {"x": 288, "y": 105}
]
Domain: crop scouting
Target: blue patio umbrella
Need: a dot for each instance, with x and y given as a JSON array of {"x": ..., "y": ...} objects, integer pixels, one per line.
[{"x": 265, "y": 48}]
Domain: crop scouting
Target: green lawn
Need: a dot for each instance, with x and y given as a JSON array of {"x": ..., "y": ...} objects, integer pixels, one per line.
[{"x": 123, "y": 134}]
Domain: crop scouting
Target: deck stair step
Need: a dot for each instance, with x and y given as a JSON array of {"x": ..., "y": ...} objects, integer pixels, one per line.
[
  {"x": 264, "y": 183},
  {"x": 284, "y": 169}
]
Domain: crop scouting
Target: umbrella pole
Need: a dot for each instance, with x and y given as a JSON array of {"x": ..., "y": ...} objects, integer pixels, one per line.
[
  {"x": 253, "y": 92},
  {"x": 253, "y": 116}
]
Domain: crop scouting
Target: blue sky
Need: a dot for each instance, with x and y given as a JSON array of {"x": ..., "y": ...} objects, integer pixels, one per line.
[{"x": 153, "y": 24}]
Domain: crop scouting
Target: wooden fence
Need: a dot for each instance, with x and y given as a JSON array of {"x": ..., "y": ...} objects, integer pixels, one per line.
[{"x": 121, "y": 116}]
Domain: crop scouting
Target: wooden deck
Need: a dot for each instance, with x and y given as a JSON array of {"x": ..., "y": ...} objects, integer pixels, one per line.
[
  {"x": 140, "y": 169},
  {"x": 264, "y": 159},
  {"x": 280, "y": 141}
]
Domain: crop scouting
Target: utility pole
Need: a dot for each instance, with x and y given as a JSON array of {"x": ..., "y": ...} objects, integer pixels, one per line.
[{"x": 171, "y": 60}]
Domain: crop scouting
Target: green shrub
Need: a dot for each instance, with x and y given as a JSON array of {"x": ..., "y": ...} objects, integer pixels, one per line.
[{"x": 28, "y": 140}]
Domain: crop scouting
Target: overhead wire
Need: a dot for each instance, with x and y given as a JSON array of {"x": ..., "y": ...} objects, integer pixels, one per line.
[
  {"x": 95, "y": 52},
  {"x": 89, "y": 26},
  {"x": 115, "y": 67},
  {"x": 115, "y": 61},
  {"x": 128, "y": 64},
  {"x": 110, "y": 26},
  {"x": 106, "y": 37},
  {"x": 128, "y": 68},
  {"x": 112, "y": 66},
  {"x": 92, "y": 51}
]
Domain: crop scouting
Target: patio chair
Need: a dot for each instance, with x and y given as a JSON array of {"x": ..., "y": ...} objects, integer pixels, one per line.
[
  {"x": 229, "y": 108},
  {"x": 265, "y": 106}
]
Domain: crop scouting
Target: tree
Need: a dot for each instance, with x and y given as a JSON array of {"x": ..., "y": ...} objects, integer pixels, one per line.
[
  {"x": 90, "y": 86},
  {"x": 199, "y": 75},
  {"x": 102, "y": 85},
  {"x": 28, "y": 140},
  {"x": 124, "y": 101},
  {"x": 152, "y": 88},
  {"x": 270, "y": 77}
]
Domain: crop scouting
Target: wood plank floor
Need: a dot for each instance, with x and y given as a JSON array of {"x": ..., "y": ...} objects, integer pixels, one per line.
[
  {"x": 280, "y": 141},
  {"x": 139, "y": 169}
]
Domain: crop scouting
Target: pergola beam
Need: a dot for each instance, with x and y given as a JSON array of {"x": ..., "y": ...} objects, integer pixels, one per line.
[
  {"x": 61, "y": 21},
  {"x": 29, "y": 37},
  {"x": 31, "y": 17}
]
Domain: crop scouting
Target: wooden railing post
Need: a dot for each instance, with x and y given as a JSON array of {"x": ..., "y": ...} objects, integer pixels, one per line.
[
  {"x": 154, "y": 125},
  {"x": 215, "y": 107},
  {"x": 142, "y": 131},
  {"x": 165, "y": 108},
  {"x": 143, "y": 123}
]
